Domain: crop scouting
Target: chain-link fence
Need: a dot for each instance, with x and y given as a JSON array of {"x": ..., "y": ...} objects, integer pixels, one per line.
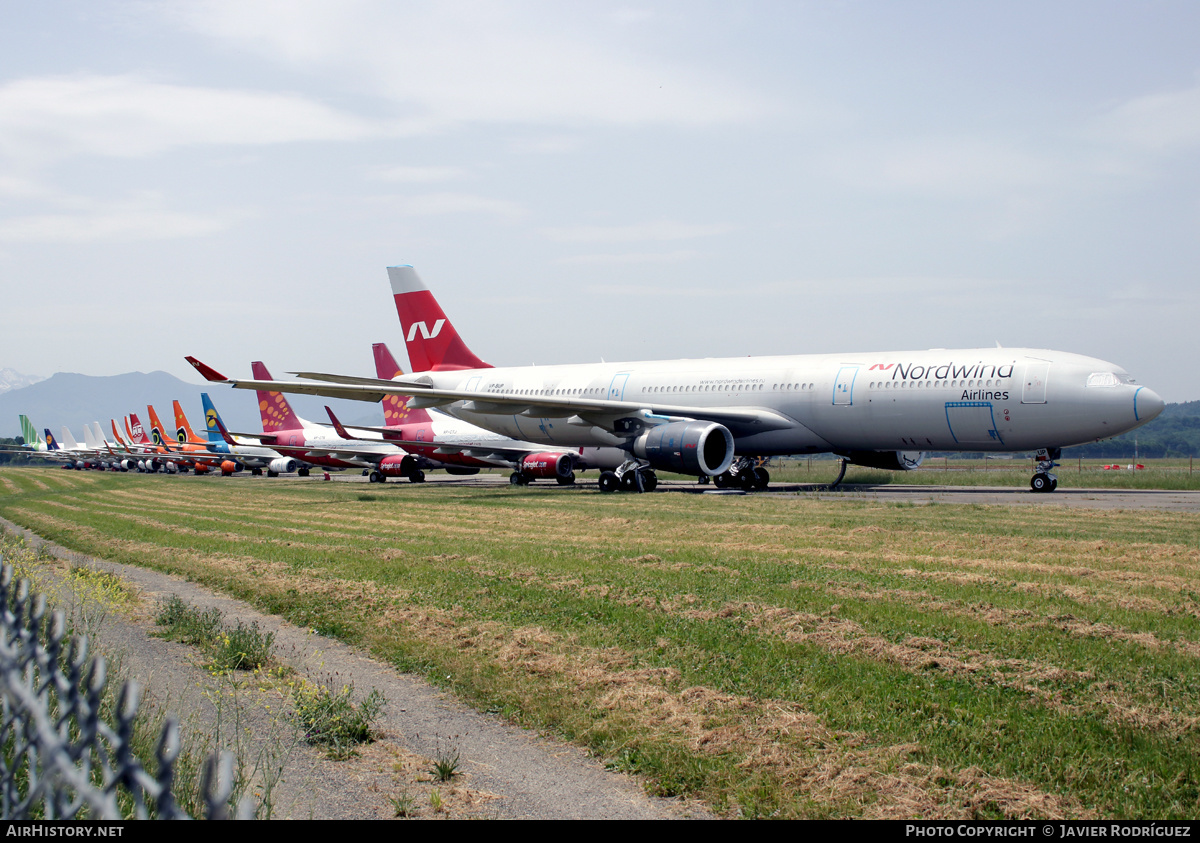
[{"x": 62, "y": 756}]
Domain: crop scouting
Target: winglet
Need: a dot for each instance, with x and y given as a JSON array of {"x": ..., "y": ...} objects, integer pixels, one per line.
[
  {"x": 206, "y": 371},
  {"x": 337, "y": 425}
]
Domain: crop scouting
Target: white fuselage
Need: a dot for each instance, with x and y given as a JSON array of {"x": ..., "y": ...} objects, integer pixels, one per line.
[{"x": 962, "y": 400}]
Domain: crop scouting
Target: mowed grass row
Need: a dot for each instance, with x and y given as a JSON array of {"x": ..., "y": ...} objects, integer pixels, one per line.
[
  {"x": 1177, "y": 474},
  {"x": 771, "y": 655}
]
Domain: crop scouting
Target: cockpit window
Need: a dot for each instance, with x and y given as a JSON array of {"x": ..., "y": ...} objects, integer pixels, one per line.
[{"x": 1102, "y": 379}]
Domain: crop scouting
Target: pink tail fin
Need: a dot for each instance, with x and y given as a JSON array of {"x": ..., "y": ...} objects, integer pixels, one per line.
[
  {"x": 395, "y": 407},
  {"x": 275, "y": 410},
  {"x": 433, "y": 343}
]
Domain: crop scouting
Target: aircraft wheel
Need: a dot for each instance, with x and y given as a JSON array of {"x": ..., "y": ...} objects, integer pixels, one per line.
[
  {"x": 762, "y": 478},
  {"x": 609, "y": 482},
  {"x": 271, "y": 473},
  {"x": 723, "y": 481},
  {"x": 1040, "y": 483},
  {"x": 303, "y": 472},
  {"x": 366, "y": 472},
  {"x": 417, "y": 476},
  {"x": 704, "y": 479},
  {"x": 568, "y": 480},
  {"x": 649, "y": 481},
  {"x": 745, "y": 480},
  {"x": 372, "y": 477},
  {"x": 256, "y": 472},
  {"x": 1053, "y": 484},
  {"x": 629, "y": 482}
]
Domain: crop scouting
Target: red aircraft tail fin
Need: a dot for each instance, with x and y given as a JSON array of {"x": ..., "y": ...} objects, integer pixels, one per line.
[
  {"x": 137, "y": 433},
  {"x": 275, "y": 410},
  {"x": 433, "y": 343},
  {"x": 395, "y": 407}
]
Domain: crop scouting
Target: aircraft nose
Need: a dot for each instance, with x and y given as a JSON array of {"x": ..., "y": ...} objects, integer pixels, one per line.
[{"x": 1146, "y": 404}]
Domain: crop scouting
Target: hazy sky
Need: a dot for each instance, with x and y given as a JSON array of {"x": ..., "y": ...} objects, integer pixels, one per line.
[{"x": 587, "y": 180}]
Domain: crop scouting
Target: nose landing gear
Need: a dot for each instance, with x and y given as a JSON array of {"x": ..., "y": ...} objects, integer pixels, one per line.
[{"x": 1043, "y": 479}]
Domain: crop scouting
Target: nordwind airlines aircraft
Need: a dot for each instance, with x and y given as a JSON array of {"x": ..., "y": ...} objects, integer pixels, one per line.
[{"x": 711, "y": 416}]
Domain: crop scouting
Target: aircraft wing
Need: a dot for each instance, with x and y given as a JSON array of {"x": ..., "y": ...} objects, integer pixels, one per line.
[{"x": 597, "y": 411}]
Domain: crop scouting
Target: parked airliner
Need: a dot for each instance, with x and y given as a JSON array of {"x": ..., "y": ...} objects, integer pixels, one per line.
[{"x": 712, "y": 416}]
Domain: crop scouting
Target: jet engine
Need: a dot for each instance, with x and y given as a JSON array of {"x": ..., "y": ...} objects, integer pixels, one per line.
[
  {"x": 696, "y": 447},
  {"x": 228, "y": 467},
  {"x": 548, "y": 465},
  {"x": 890, "y": 460},
  {"x": 129, "y": 465},
  {"x": 398, "y": 465},
  {"x": 282, "y": 465}
]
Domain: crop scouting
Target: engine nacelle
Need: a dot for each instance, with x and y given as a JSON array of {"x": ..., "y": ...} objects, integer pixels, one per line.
[
  {"x": 282, "y": 465},
  {"x": 129, "y": 465},
  {"x": 229, "y": 467},
  {"x": 548, "y": 465},
  {"x": 398, "y": 465},
  {"x": 696, "y": 447},
  {"x": 889, "y": 460}
]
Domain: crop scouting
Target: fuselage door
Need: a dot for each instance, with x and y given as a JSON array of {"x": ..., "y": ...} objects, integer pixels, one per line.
[
  {"x": 472, "y": 384},
  {"x": 1037, "y": 373},
  {"x": 843, "y": 388}
]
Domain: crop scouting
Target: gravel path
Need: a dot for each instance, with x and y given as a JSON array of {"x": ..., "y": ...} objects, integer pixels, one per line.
[{"x": 507, "y": 772}]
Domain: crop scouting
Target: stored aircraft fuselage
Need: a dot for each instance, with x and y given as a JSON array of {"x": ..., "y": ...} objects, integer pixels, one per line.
[{"x": 1001, "y": 399}]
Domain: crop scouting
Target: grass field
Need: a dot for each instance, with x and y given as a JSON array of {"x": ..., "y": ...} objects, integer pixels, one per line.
[
  {"x": 772, "y": 656},
  {"x": 1072, "y": 474}
]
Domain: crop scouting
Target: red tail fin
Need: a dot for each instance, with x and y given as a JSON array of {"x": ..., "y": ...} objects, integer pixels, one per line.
[
  {"x": 395, "y": 407},
  {"x": 275, "y": 410},
  {"x": 137, "y": 433},
  {"x": 433, "y": 343}
]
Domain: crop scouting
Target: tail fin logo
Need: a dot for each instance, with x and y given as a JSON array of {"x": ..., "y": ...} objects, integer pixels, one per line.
[
  {"x": 137, "y": 431},
  {"x": 181, "y": 436},
  {"x": 425, "y": 332},
  {"x": 156, "y": 436},
  {"x": 210, "y": 419}
]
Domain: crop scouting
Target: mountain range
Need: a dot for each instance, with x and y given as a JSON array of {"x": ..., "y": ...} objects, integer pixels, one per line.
[{"x": 73, "y": 400}]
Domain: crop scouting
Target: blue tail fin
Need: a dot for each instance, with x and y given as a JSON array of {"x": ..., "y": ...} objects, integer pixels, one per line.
[{"x": 211, "y": 419}]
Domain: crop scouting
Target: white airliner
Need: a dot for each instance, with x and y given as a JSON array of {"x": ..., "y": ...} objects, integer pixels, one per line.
[{"x": 710, "y": 417}]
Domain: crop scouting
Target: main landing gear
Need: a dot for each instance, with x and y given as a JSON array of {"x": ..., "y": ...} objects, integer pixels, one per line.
[
  {"x": 630, "y": 476},
  {"x": 744, "y": 475},
  {"x": 1043, "y": 480}
]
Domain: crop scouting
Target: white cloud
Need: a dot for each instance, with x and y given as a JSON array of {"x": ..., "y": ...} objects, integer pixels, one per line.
[
  {"x": 1157, "y": 122},
  {"x": 642, "y": 232},
  {"x": 419, "y": 175},
  {"x": 634, "y": 258},
  {"x": 482, "y": 61},
  {"x": 943, "y": 166},
  {"x": 126, "y": 116},
  {"x": 439, "y": 204},
  {"x": 108, "y": 225}
]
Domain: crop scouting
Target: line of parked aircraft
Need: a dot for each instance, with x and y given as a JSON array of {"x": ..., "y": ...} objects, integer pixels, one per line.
[{"x": 711, "y": 418}]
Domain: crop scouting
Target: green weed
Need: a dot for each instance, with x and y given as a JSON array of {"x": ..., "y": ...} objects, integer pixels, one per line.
[{"x": 329, "y": 718}]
